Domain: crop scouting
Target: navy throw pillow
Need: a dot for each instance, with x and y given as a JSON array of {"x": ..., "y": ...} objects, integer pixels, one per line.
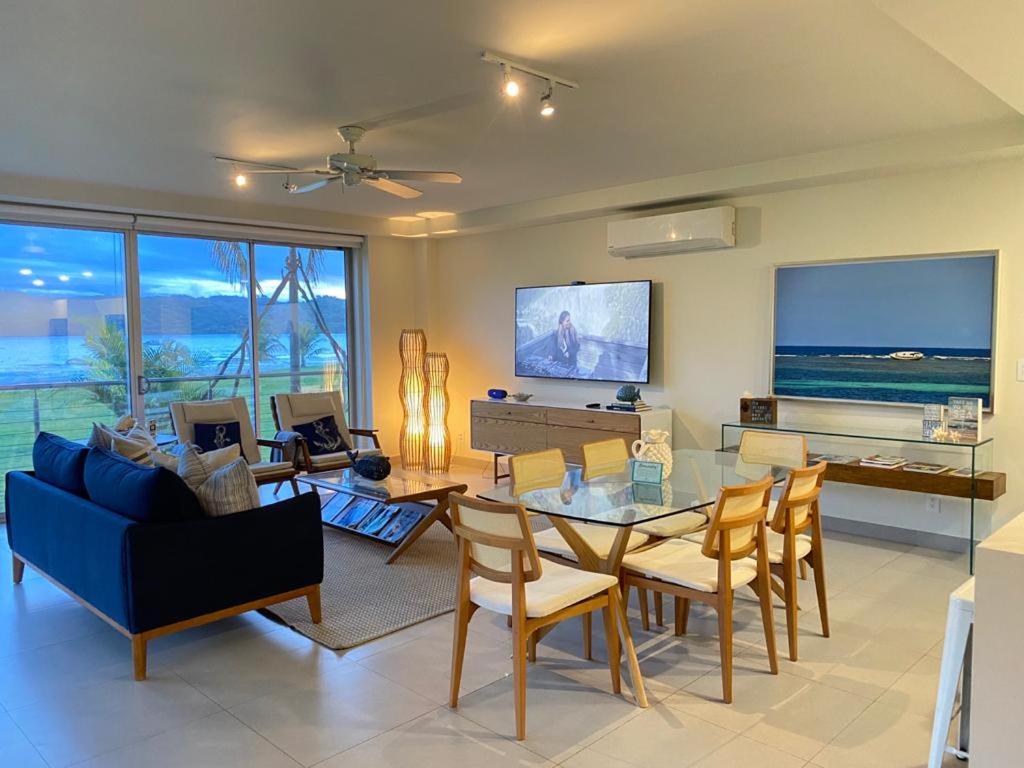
[
  {"x": 146, "y": 494},
  {"x": 212, "y": 437},
  {"x": 60, "y": 462},
  {"x": 322, "y": 436}
]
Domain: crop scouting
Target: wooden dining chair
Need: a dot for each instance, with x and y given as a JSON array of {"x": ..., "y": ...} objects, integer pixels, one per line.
[
  {"x": 500, "y": 570},
  {"x": 796, "y": 512},
  {"x": 783, "y": 449},
  {"x": 710, "y": 572},
  {"x": 604, "y": 457},
  {"x": 607, "y": 457},
  {"x": 547, "y": 469}
]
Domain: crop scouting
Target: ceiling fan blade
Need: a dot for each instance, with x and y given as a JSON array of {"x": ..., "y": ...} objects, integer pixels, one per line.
[
  {"x": 315, "y": 185},
  {"x": 251, "y": 171},
  {"x": 442, "y": 177},
  {"x": 393, "y": 188}
]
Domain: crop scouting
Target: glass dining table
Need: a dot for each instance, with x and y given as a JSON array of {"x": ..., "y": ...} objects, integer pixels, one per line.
[{"x": 615, "y": 500}]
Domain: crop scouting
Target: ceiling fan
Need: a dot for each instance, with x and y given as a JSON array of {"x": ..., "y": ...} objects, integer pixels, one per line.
[{"x": 352, "y": 168}]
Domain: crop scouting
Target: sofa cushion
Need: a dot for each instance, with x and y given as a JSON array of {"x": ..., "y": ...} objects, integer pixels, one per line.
[
  {"x": 212, "y": 437},
  {"x": 146, "y": 494},
  {"x": 60, "y": 462},
  {"x": 322, "y": 436},
  {"x": 195, "y": 468}
]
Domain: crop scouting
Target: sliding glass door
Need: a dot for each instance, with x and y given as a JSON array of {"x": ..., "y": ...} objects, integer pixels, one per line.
[
  {"x": 194, "y": 302},
  {"x": 302, "y": 322},
  {"x": 63, "y": 340},
  {"x": 101, "y": 323}
]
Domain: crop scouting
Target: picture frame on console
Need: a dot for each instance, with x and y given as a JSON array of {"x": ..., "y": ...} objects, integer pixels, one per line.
[{"x": 902, "y": 330}]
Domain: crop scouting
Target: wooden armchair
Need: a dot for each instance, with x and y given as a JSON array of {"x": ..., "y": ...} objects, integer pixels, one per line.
[
  {"x": 303, "y": 407},
  {"x": 185, "y": 415}
]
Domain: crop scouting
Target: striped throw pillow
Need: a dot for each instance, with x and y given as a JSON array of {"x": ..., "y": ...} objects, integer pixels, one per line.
[{"x": 230, "y": 489}]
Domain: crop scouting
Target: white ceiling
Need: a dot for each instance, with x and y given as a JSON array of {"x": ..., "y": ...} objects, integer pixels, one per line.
[{"x": 142, "y": 93}]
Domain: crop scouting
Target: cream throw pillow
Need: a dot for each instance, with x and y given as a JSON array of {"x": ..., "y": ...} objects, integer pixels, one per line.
[
  {"x": 195, "y": 468},
  {"x": 229, "y": 489}
]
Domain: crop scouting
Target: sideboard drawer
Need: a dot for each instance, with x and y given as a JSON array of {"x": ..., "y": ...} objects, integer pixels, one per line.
[
  {"x": 627, "y": 423},
  {"x": 508, "y": 437},
  {"x": 510, "y": 411}
]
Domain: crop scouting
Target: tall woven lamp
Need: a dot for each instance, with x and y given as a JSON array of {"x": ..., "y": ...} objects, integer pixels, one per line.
[
  {"x": 412, "y": 346},
  {"x": 436, "y": 403}
]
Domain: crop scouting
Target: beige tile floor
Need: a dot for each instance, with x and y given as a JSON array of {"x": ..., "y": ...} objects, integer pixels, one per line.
[{"x": 246, "y": 692}]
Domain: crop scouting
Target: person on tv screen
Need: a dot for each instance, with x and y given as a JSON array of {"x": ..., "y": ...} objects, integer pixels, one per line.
[{"x": 567, "y": 340}]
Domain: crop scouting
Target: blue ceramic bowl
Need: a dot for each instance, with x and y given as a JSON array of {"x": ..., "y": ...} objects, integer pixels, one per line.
[{"x": 497, "y": 394}]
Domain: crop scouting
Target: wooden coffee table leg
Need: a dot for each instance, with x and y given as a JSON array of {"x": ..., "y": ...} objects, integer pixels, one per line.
[{"x": 438, "y": 513}]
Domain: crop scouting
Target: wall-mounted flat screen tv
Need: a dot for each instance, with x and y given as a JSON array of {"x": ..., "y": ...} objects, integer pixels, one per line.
[
  {"x": 898, "y": 331},
  {"x": 594, "y": 331}
]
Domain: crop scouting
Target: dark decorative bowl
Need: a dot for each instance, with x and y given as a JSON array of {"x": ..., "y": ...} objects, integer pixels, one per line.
[
  {"x": 628, "y": 393},
  {"x": 497, "y": 394},
  {"x": 370, "y": 467}
]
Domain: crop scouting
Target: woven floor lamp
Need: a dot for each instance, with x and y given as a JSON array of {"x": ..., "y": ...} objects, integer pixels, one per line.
[
  {"x": 436, "y": 403},
  {"x": 412, "y": 346}
]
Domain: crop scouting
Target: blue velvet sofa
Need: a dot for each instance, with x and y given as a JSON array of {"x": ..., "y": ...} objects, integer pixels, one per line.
[{"x": 132, "y": 544}]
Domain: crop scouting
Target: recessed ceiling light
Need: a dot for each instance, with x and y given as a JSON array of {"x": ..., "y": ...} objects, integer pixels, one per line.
[
  {"x": 404, "y": 218},
  {"x": 38, "y": 283},
  {"x": 434, "y": 214},
  {"x": 63, "y": 278},
  {"x": 25, "y": 271}
]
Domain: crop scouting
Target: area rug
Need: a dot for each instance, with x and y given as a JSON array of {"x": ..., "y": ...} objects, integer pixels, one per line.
[{"x": 364, "y": 598}]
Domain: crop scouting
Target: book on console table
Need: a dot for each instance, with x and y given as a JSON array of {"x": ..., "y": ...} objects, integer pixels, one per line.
[
  {"x": 636, "y": 407},
  {"x": 883, "y": 462},
  {"x": 926, "y": 468}
]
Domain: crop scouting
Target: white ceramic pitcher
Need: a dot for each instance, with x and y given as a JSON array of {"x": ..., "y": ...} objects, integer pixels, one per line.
[{"x": 654, "y": 445}]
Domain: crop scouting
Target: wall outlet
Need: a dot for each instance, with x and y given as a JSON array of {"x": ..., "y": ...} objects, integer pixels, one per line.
[
  {"x": 933, "y": 505},
  {"x": 1020, "y": 370}
]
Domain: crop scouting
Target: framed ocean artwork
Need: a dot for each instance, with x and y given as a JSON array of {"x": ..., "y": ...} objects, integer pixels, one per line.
[{"x": 901, "y": 331}]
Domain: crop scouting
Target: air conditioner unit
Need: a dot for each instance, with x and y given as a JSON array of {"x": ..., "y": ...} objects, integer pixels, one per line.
[{"x": 703, "y": 230}]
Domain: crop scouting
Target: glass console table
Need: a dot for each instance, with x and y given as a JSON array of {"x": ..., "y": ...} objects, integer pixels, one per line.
[{"x": 968, "y": 474}]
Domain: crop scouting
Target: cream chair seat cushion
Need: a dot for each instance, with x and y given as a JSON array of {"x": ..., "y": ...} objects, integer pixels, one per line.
[
  {"x": 558, "y": 587},
  {"x": 599, "y": 537},
  {"x": 681, "y": 562},
  {"x": 340, "y": 458},
  {"x": 674, "y": 525},
  {"x": 777, "y": 541},
  {"x": 264, "y": 468}
]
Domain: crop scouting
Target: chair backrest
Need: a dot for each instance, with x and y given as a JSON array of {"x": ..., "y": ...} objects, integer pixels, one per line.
[
  {"x": 604, "y": 457},
  {"x": 738, "y": 512},
  {"x": 542, "y": 469},
  {"x": 303, "y": 407},
  {"x": 493, "y": 536},
  {"x": 799, "y": 500},
  {"x": 186, "y": 414},
  {"x": 782, "y": 449}
]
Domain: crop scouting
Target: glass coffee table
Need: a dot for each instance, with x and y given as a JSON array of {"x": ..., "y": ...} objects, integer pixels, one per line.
[{"x": 395, "y": 511}]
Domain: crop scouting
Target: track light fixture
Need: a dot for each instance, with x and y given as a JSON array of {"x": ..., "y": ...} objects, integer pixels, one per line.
[
  {"x": 547, "y": 109},
  {"x": 511, "y": 88}
]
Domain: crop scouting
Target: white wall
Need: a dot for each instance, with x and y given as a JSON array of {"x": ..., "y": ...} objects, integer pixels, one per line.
[{"x": 712, "y": 310}]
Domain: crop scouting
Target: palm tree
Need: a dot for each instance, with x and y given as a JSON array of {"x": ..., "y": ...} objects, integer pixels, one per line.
[{"x": 300, "y": 275}]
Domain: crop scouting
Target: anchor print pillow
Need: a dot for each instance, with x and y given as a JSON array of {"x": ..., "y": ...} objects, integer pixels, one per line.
[
  {"x": 322, "y": 436},
  {"x": 213, "y": 437}
]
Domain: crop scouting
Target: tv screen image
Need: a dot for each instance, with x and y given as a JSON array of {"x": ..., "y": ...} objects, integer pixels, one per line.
[
  {"x": 596, "y": 331},
  {"x": 908, "y": 330}
]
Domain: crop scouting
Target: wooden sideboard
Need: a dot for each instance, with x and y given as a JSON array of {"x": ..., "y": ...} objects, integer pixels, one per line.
[{"x": 505, "y": 427}]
